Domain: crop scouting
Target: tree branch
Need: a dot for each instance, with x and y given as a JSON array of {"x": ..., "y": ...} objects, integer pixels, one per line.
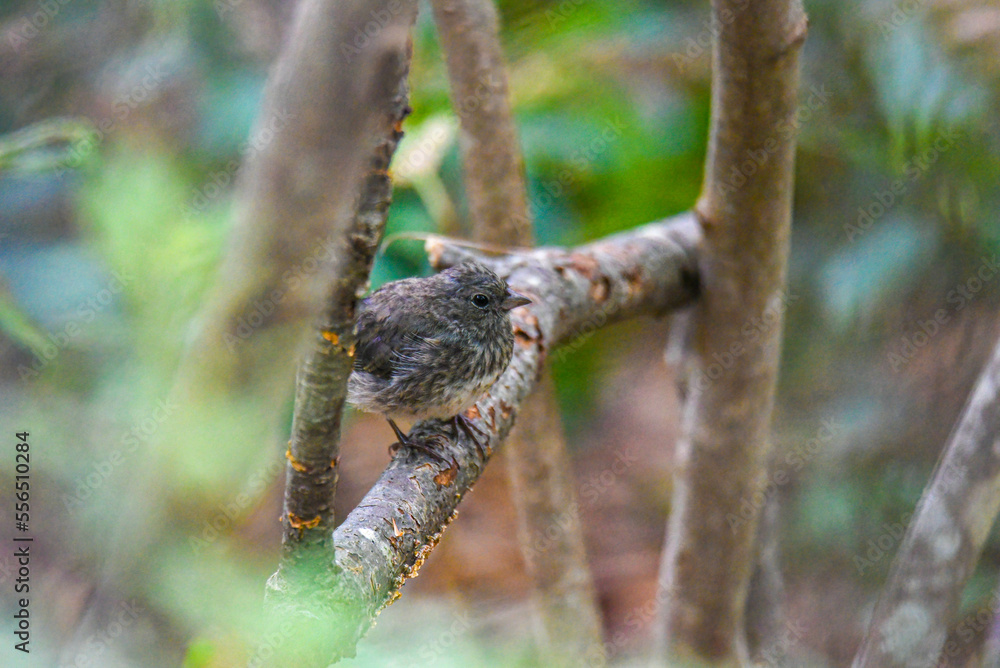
[
  {"x": 538, "y": 464},
  {"x": 321, "y": 386},
  {"x": 647, "y": 271},
  {"x": 745, "y": 211},
  {"x": 944, "y": 539},
  {"x": 492, "y": 165}
]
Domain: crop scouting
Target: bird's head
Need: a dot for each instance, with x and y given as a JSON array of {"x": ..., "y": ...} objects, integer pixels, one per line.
[{"x": 475, "y": 293}]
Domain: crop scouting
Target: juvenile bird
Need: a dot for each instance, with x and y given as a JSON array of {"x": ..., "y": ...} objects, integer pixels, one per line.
[{"x": 430, "y": 347}]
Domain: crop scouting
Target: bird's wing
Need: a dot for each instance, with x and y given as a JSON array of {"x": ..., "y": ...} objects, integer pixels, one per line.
[
  {"x": 384, "y": 349},
  {"x": 376, "y": 342}
]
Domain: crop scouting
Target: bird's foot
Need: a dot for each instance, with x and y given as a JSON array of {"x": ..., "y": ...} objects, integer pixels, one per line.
[
  {"x": 420, "y": 446},
  {"x": 472, "y": 431}
]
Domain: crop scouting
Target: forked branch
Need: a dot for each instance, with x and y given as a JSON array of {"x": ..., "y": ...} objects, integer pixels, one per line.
[{"x": 647, "y": 271}]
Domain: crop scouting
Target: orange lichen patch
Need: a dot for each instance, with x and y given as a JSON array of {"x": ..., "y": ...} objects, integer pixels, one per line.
[
  {"x": 473, "y": 413},
  {"x": 424, "y": 551},
  {"x": 297, "y": 522},
  {"x": 296, "y": 464},
  {"x": 447, "y": 477},
  {"x": 334, "y": 340},
  {"x": 506, "y": 410},
  {"x": 392, "y": 598},
  {"x": 411, "y": 570},
  {"x": 600, "y": 289}
]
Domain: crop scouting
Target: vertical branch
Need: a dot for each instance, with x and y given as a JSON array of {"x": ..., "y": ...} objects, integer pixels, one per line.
[
  {"x": 311, "y": 210},
  {"x": 539, "y": 469},
  {"x": 491, "y": 155},
  {"x": 745, "y": 212},
  {"x": 538, "y": 464},
  {"x": 944, "y": 539},
  {"x": 321, "y": 387},
  {"x": 765, "y": 622}
]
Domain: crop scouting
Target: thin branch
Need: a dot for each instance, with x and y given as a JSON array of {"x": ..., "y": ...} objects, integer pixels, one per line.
[
  {"x": 493, "y": 167},
  {"x": 766, "y": 620},
  {"x": 745, "y": 211},
  {"x": 944, "y": 539},
  {"x": 300, "y": 258},
  {"x": 538, "y": 463},
  {"x": 541, "y": 477},
  {"x": 314, "y": 451},
  {"x": 647, "y": 271}
]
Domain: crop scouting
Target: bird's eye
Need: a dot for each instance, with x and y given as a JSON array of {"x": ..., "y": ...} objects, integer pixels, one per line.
[{"x": 480, "y": 301}]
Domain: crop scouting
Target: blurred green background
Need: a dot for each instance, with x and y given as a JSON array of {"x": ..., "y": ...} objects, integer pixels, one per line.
[{"x": 122, "y": 127}]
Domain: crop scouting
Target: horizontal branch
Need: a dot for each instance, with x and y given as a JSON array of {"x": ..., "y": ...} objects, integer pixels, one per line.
[{"x": 647, "y": 271}]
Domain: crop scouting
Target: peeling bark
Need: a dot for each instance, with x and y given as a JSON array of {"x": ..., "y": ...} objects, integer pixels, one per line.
[
  {"x": 944, "y": 539},
  {"x": 745, "y": 212},
  {"x": 647, "y": 271}
]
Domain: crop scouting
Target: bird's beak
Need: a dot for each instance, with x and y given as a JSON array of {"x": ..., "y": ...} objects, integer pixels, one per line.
[{"x": 513, "y": 300}]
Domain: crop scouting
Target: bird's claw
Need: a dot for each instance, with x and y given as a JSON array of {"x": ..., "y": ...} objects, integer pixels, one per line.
[
  {"x": 472, "y": 431},
  {"x": 420, "y": 446}
]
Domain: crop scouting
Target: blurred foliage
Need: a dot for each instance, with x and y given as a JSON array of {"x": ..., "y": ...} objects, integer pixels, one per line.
[{"x": 122, "y": 129}]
